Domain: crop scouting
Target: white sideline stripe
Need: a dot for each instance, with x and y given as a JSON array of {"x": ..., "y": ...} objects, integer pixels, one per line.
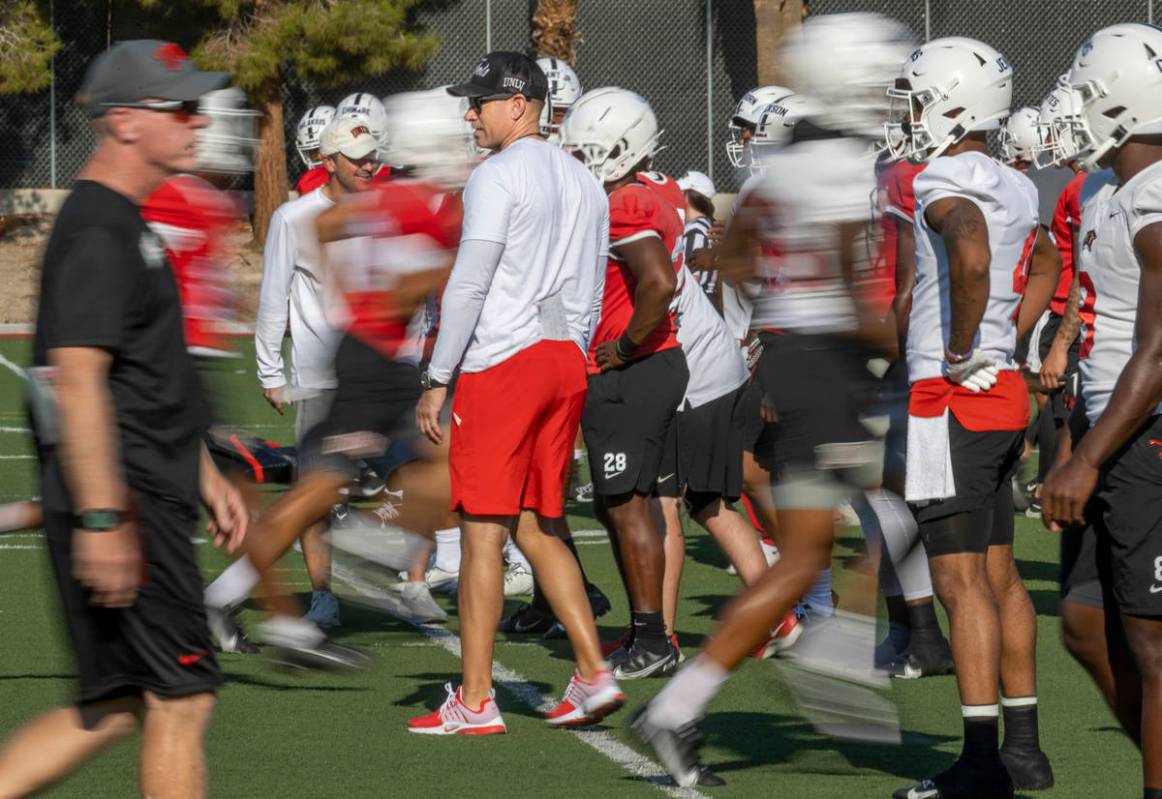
[
  {"x": 15, "y": 429},
  {"x": 13, "y": 367},
  {"x": 589, "y": 534},
  {"x": 513, "y": 682},
  {"x": 21, "y": 546},
  {"x": 17, "y": 457}
]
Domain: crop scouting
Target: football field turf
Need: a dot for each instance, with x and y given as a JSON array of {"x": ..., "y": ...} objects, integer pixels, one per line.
[{"x": 319, "y": 735}]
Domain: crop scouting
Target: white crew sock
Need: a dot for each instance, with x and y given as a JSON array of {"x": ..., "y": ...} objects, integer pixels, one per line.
[
  {"x": 515, "y": 557},
  {"x": 291, "y": 632},
  {"x": 818, "y": 599},
  {"x": 685, "y": 698},
  {"x": 902, "y": 544},
  {"x": 233, "y": 585},
  {"x": 578, "y": 454},
  {"x": 448, "y": 550}
]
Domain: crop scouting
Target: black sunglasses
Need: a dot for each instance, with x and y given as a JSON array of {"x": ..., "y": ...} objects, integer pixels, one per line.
[
  {"x": 476, "y": 103},
  {"x": 182, "y": 109}
]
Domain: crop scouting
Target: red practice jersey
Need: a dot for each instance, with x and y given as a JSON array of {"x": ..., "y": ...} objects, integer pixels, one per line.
[
  {"x": 898, "y": 207},
  {"x": 1066, "y": 219},
  {"x": 653, "y": 206},
  {"x": 312, "y": 179},
  {"x": 194, "y": 221},
  {"x": 406, "y": 228}
]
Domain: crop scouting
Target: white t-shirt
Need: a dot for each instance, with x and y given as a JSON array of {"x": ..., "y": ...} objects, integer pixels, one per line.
[
  {"x": 1008, "y": 201},
  {"x": 551, "y": 217},
  {"x": 716, "y": 363},
  {"x": 810, "y": 188},
  {"x": 1109, "y": 273},
  {"x": 292, "y": 286}
]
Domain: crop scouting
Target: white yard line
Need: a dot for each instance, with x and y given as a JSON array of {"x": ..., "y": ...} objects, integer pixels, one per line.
[
  {"x": 516, "y": 684},
  {"x": 13, "y": 367},
  {"x": 15, "y": 430}
]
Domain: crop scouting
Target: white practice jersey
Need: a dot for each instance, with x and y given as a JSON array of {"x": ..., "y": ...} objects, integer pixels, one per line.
[
  {"x": 808, "y": 190},
  {"x": 716, "y": 363},
  {"x": 1008, "y": 201},
  {"x": 1109, "y": 272}
]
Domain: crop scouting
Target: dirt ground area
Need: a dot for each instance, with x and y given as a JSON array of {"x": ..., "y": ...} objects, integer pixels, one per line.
[{"x": 22, "y": 241}]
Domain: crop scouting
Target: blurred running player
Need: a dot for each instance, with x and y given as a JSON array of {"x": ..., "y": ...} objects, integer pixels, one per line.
[
  {"x": 1112, "y": 478},
  {"x": 307, "y": 144},
  {"x": 985, "y": 272},
  {"x": 816, "y": 206}
]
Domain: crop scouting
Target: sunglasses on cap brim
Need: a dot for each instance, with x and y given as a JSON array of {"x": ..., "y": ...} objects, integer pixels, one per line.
[{"x": 182, "y": 109}]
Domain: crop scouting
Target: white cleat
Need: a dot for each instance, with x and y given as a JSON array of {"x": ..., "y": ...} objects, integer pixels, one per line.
[{"x": 518, "y": 581}]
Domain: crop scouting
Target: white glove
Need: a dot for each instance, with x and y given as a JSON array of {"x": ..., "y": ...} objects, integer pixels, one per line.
[{"x": 977, "y": 372}]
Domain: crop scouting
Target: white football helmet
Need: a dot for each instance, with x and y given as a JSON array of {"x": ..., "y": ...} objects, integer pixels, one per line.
[
  {"x": 613, "y": 130},
  {"x": 564, "y": 90},
  {"x": 1059, "y": 115},
  {"x": 1020, "y": 136},
  {"x": 1118, "y": 73},
  {"x": 776, "y": 124},
  {"x": 427, "y": 133},
  {"x": 367, "y": 106},
  {"x": 746, "y": 117},
  {"x": 226, "y": 144},
  {"x": 948, "y": 89},
  {"x": 846, "y": 63},
  {"x": 307, "y": 135}
]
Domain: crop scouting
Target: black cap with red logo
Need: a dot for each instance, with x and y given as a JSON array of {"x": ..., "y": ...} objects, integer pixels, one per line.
[{"x": 140, "y": 69}]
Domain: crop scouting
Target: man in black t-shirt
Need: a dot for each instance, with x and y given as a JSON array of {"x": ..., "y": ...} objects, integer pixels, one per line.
[{"x": 119, "y": 416}]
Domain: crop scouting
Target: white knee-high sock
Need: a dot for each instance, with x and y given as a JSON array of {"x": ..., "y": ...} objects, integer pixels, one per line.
[
  {"x": 902, "y": 544},
  {"x": 447, "y": 556}
]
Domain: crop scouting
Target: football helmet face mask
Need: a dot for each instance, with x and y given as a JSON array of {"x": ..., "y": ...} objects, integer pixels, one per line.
[
  {"x": 1059, "y": 115},
  {"x": 1020, "y": 136},
  {"x": 226, "y": 144},
  {"x": 366, "y": 106},
  {"x": 846, "y": 63},
  {"x": 776, "y": 124},
  {"x": 746, "y": 118},
  {"x": 564, "y": 90},
  {"x": 426, "y": 132},
  {"x": 1117, "y": 73},
  {"x": 612, "y": 130},
  {"x": 949, "y": 88},
  {"x": 307, "y": 134}
]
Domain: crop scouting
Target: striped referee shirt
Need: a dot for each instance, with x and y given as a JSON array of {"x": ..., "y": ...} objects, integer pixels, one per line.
[{"x": 698, "y": 238}]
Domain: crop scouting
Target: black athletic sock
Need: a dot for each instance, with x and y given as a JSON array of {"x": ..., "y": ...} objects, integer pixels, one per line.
[
  {"x": 899, "y": 629},
  {"x": 573, "y": 548},
  {"x": 539, "y": 602},
  {"x": 649, "y": 632},
  {"x": 980, "y": 733},
  {"x": 922, "y": 619},
  {"x": 1152, "y": 793},
  {"x": 1021, "y": 727}
]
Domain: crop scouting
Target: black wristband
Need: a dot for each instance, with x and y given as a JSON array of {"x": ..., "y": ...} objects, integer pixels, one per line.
[{"x": 625, "y": 347}]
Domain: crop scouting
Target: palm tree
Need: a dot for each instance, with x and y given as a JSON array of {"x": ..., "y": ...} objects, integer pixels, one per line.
[
  {"x": 772, "y": 19},
  {"x": 555, "y": 29}
]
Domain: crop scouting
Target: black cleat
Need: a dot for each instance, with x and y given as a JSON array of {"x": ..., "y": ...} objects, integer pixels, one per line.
[
  {"x": 598, "y": 601},
  {"x": 323, "y": 656},
  {"x": 1029, "y": 769},
  {"x": 228, "y": 632},
  {"x": 637, "y": 662},
  {"x": 963, "y": 781},
  {"x": 528, "y": 620},
  {"x": 930, "y": 656},
  {"x": 676, "y": 749}
]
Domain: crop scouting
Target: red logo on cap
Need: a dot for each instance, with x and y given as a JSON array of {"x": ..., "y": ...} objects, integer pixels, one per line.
[
  {"x": 359, "y": 130},
  {"x": 171, "y": 56}
]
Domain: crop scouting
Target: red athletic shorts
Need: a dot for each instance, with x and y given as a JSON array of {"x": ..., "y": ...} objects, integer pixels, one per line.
[{"x": 513, "y": 427}]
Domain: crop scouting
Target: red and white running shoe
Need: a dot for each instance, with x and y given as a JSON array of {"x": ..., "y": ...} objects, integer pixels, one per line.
[
  {"x": 678, "y": 649},
  {"x": 587, "y": 702},
  {"x": 456, "y": 718},
  {"x": 783, "y": 637}
]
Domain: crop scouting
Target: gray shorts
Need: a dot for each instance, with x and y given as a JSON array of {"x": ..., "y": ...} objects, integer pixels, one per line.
[{"x": 309, "y": 412}]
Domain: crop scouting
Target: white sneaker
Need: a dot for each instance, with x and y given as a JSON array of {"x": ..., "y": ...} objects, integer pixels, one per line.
[
  {"x": 442, "y": 581},
  {"x": 419, "y": 605},
  {"x": 770, "y": 552},
  {"x": 518, "y": 581}
]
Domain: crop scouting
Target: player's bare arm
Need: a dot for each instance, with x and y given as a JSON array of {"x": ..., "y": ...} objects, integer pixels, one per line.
[
  {"x": 1044, "y": 271},
  {"x": 229, "y": 516},
  {"x": 108, "y": 562},
  {"x": 1053, "y": 367},
  {"x": 962, "y": 226},
  {"x": 1135, "y": 395},
  {"x": 650, "y": 264}
]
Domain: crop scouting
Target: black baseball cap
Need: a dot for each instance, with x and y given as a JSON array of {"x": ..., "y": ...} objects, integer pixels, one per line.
[
  {"x": 138, "y": 69},
  {"x": 503, "y": 74}
]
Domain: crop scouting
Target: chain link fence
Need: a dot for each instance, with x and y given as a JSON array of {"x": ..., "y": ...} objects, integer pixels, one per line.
[{"x": 691, "y": 59}]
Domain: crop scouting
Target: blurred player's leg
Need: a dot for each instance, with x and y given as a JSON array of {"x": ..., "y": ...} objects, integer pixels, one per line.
[{"x": 20, "y": 516}]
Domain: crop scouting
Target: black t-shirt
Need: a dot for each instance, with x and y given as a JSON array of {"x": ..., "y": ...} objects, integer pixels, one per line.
[{"x": 106, "y": 283}]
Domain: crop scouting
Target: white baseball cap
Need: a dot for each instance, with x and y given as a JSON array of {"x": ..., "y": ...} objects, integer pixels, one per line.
[
  {"x": 699, "y": 182},
  {"x": 351, "y": 136}
]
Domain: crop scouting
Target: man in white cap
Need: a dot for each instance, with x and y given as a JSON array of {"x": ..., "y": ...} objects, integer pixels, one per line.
[{"x": 292, "y": 289}]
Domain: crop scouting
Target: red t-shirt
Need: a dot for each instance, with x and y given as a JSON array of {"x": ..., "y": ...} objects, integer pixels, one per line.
[
  {"x": 406, "y": 228},
  {"x": 1066, "y": 218},
  {"x": 899, "y": 207},
  {"x": 193, "y": 220},
  {"x": 312, "y": 179},
  {"x": 647, "y": 208}
]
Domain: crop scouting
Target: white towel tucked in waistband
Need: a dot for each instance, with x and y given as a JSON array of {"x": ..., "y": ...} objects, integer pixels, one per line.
[{"x": 929, "y": 469}]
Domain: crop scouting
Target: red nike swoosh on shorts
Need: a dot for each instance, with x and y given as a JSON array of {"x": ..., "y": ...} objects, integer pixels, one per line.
[{"x": 189, "y": 660}]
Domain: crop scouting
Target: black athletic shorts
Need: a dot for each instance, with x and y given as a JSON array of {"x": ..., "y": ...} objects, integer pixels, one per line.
[
  {"x": 1129, "y": 523},
  {"x": 671, "y": 478},
  {"x": 1079, "y": 574},
  {"x": 161, "y": 644},
  {"x": 374, "y": 407},
  {"x": 1048, "y": 334},
  {"x": 981, "y": 513},
  {"x": 710, "y": 445},
  {"x": 628, "y": 413},
  {"x": 758, "y": 437}
]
